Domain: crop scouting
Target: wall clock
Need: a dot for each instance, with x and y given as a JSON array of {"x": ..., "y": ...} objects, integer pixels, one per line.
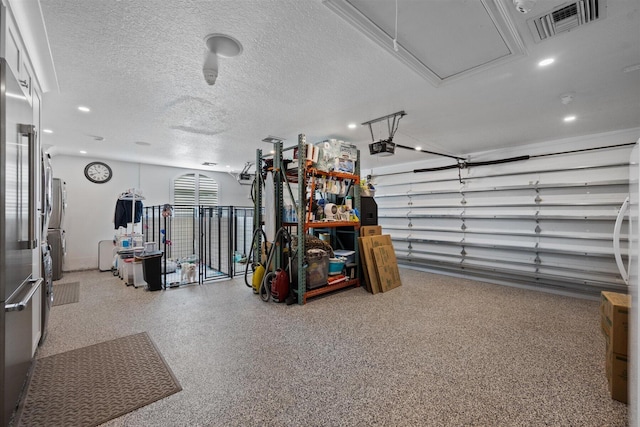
[{"x": 98, "y": 172}]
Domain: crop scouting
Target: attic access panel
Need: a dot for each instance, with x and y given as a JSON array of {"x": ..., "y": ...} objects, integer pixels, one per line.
[{"x": 440, "y": 40}]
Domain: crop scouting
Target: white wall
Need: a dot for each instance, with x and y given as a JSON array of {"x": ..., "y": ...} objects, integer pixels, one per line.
[{"x": 91, "y": 207}]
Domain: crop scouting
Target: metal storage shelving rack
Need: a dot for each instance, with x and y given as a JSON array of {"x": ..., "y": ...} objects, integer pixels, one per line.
[{"x": 304, "y": 225}]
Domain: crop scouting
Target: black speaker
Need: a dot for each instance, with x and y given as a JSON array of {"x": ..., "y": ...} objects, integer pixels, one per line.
[{"x": 368, "y": 211}]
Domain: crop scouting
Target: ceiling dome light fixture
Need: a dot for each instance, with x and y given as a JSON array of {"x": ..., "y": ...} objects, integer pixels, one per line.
[
  {"x": 569, "y": 119},
  {"x": 84, "y": 109},
  {"x": 218, "y": 45}
]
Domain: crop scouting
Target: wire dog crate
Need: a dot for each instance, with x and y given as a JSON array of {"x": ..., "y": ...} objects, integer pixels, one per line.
[{"x": 199, "y": 243}]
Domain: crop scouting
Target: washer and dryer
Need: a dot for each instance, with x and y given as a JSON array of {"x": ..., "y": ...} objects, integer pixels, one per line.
[
  {"x": 46, "y": 266},
  {"x": 55, "y": 235}
]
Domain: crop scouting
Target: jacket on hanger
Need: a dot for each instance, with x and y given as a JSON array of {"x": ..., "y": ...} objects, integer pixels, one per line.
[{"x": 123, "y": 213}]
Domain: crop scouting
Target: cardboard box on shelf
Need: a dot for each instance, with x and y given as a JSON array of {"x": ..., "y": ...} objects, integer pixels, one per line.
[
  {"x": 614, "y": 320},
  {"x": 335, "y": 155}
]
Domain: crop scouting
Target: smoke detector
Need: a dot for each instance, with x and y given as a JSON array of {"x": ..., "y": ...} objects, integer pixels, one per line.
[
  {"x": 524, "y": 6},
  {"x": 218, "y": 45},
  {"x": 567, "y": 98},
  {"x": 223, "y": 45}
]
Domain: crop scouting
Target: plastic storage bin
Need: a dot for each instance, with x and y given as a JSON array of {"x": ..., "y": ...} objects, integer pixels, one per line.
[
  {"x": 335, "y": 266},
  {"x": 152, "y": 269},
  {"x": 317, "y": 268},
  {"x": 342, "y": 253}
]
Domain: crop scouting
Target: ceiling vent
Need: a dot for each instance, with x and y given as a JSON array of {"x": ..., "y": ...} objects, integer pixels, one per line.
[{"x": 565, "y": 18}]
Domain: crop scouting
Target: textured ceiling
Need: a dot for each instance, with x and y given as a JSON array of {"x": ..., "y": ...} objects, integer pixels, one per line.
[
  {"x": 439, "y": 40},
  {"x": 138, "y": 65}
]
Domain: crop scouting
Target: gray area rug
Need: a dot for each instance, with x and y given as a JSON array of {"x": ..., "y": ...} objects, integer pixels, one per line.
[
  {"x": 94, "y": 384},
  {"x": 66, "y": 293}
]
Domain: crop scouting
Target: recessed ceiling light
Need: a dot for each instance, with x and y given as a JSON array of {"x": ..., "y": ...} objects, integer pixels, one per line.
[
  {"x": 272, "y": 151},
  {"x": 352, "y": 125},
  {"x": 418, "y": 148},
  {"x": 84, "y": 109},
  {"x": 569, "y": 118},
  {"x": 546, "y": 62},
  {"x": 631, "y": 68},
  {"x": 228, "y": 166},
  {"x": 209, "y": 163},
  {"x": 47, "y": 131},
  {"x": 83, "y": 152}
]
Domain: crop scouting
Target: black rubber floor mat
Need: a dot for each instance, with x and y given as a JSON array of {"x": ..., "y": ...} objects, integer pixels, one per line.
[
  {"x": 94, "y": 384},
  {"x": 66, "y": 293}
]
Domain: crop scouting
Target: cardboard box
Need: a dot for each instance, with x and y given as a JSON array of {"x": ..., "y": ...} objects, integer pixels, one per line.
[
  {"x": 614, "y": 320},
  {"x": 334, "y": 155},
  {"x": 364, "y": 244},
  {"x": 387, "y": 267},
  {"x": 368, "y": 261},
  {"x": 370, "y": 230},
  {"x": 617, "y": 376}
]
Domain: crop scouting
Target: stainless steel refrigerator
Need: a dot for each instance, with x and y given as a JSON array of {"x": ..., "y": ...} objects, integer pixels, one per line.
[{"x": 17, "y": 238}]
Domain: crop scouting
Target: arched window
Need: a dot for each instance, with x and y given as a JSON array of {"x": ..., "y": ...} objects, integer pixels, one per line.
[{"x": 195, "y": 189}]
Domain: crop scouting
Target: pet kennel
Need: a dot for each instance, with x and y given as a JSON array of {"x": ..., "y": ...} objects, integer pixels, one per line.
[{"x": 215, "y": 239}]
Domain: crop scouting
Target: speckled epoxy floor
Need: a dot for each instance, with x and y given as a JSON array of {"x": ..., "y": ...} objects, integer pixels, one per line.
[{"x": 437, "y": 351}]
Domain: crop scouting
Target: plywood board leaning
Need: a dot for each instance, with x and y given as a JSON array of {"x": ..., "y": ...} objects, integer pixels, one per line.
[
  {"x": 367, "y": 281},
  {"x": 368, "y": 243},
  {"x": 368, "y": 265},
  {"x": 387, "y": 267}
]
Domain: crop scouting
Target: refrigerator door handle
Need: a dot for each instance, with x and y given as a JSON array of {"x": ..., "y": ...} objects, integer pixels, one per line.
[
  {"x": 19, "y": 306},
  {"x": 616, "y": 240},
  {"x": 30, "y": 132}
]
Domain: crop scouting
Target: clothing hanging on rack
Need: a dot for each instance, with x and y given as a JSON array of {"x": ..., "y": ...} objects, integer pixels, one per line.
[{"x": 128, "y": 208}]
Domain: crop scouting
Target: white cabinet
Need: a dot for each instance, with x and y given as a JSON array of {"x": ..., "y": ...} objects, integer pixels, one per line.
[{"x": 14, "y": 52}]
